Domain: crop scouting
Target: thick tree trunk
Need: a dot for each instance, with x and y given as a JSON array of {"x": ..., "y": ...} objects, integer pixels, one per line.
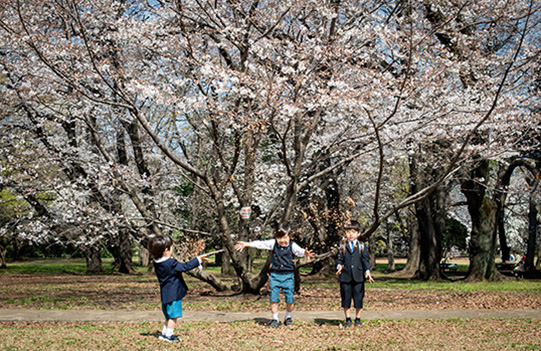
[
  {"x": 500, "y": 196},
  {"x": 93, "y": 259},
  {"x": 225, "y": 264},
  {"x": 123, "y": 253},
  {"x": 216, "y": 283},
  {"x": 430, "y": 240},
  {"x": 483, "y": 216},
  {"x": 414, "y": 251},
  {"x": 3, "y": 263},
  {"x": 430, "y": 211}
]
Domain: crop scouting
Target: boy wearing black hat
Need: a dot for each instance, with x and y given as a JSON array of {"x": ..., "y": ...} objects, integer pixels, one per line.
[{"x": 353, "y": 269}]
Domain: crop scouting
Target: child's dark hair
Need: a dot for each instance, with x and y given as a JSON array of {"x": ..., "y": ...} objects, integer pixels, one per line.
[
  {"x": 353, "y": 225},
  {"x": 157, "y": 245},
  {"x": 282, "y": 229}
]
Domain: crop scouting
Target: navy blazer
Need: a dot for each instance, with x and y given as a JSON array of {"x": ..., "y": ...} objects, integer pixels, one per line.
[
  {"x": 354, "y": 266},
  {"x": 172, "y": 284}
]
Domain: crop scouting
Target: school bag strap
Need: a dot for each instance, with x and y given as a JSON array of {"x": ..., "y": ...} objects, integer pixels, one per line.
[{"x": 343, "y": 245}]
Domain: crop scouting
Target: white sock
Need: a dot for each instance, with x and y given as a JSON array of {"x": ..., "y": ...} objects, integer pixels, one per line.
[
  {"x": 275, "y": 316},
  {"x": 164, "y": 330},
  {"x": 288, "y": 315},
  {"x": 169, "y": 331}
]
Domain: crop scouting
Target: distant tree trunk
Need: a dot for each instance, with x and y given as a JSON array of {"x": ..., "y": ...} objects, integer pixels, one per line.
[
  {"x": 500, "y": 229},
  {"x": 144, "y": 256},
  {"x": 390, "y": 252},
  {"x": 335, "y": 219},
  {"x": 124, "y": 256},
  {"x": 93, "y": 259},
  {"x": 483, "y": 216},
  {"x": 532, "y": 229},
  {"x": 414, "y": 251},
  {"x": 372, "y": 252}
]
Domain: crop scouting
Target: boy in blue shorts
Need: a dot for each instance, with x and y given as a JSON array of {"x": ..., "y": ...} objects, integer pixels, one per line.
[
  {"x": 282, "y": 268},
  {"x": 172, "y": 285}
]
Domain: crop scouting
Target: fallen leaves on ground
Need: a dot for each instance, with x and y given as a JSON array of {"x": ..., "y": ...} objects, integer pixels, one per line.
[
  {"x": 456, "y": 334},
  {"x": 127, "y": 292}
]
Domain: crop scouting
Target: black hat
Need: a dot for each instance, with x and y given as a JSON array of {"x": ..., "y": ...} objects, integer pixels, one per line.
[{"x": 353, "y": 225}]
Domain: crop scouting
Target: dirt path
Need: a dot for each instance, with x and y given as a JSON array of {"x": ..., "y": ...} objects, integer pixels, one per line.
[{"x": 20, "y": 315}]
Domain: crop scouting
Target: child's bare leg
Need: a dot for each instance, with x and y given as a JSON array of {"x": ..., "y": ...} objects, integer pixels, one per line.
[
  {"x": 171, "y": 323},
  {"x": 274, "y": 307},
  {"x": 289, "y": 307},
  {"x": 347, "y": 313},
  {"x": 358, "y": 312}
]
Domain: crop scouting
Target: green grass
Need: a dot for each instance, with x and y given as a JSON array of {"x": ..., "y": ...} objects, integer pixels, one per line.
[
  {"x": 57, "y": 266},
  {"x": 383, "y": 281},
  {"x": 508, "y": 285}
]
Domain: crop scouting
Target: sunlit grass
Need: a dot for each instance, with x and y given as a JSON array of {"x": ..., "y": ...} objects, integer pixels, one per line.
[
  {"x": 522, "y": 285},
  {"x": 383, "y": 280},
  {"x": 58, "y": 266}
]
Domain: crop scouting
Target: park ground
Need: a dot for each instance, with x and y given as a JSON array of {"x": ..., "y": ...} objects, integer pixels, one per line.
[{"x": 62, "y": 285}]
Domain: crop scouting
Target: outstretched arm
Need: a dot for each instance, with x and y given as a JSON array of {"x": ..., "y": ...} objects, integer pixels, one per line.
[
  {"x": 309, "y": 253},
  {"x": 257, "y": 244},
  {"x": 241, "y": 245}
]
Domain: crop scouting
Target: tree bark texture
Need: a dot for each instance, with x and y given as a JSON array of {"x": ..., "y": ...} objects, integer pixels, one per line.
[
  {"x": 532, "y": 229},
  {"x": 414, "y": 249},
  {"x": 93, "y": 259},
  {"x": 483, "y": 216}
]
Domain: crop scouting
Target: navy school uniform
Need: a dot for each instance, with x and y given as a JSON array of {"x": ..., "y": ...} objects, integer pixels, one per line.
[
  {"x": 172, "y": 285},
  {"x": 352, "y": 276}
]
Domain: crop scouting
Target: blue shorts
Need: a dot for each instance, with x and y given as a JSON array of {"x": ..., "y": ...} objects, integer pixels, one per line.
[
  {"x": 172, "y": 310},
  {"x": 284, "y": 281}
]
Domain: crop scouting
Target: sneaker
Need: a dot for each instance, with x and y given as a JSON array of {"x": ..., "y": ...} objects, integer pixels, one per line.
[
  {"x": 288, "y": 321},
  {"x": 274, "y": 324},
  {"x": 358, "y": 322},
  {"x": 168, "y": 338},
  {"x": 348, "y": 323}
]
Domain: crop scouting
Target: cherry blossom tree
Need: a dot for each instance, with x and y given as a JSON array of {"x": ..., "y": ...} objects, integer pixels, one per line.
[{"x": 259, "y": 103}]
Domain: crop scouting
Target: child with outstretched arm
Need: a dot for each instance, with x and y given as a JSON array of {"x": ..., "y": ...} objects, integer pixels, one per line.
[
  {"x": 282, "y": 268},
  {"x": 173, "y": 288},
  {"x": 353, "y": 269}
]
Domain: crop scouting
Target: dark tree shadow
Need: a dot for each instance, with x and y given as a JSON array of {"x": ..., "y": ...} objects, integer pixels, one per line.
[
  {"x": 321, "y": 321},
  {"x": 263, "y": 321},
  {"x": 155, "y": 334}
]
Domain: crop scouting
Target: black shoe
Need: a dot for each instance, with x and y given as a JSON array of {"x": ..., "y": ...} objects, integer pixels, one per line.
[
  {"x": 288, "y": 321},
  {"x": 358, "y": 322},
  {"x": 348, "y": 323},
  {"x": 274, "y": 324},
  {"x": 171, "y": 338}
]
